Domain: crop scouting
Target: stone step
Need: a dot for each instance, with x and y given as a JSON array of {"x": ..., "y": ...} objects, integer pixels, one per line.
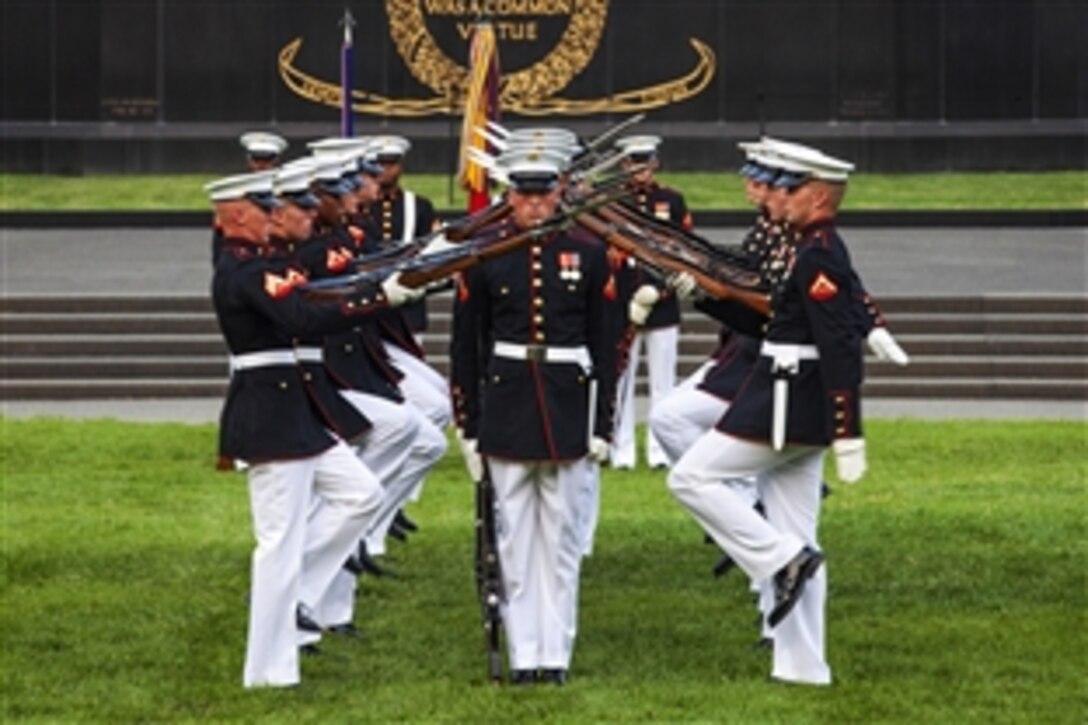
[
  {"x": 79, "y": 389},
  {"x": 111, "y": 324},
  {"x": 111, "y": 345}
]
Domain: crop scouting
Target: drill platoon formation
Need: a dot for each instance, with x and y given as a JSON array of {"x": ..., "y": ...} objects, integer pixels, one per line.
[{"x": 322, "y": 266}]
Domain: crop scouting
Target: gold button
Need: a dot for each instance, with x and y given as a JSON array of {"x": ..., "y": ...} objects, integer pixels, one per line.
[
  {"x": 535, "y": 250},
  {"x": 840, "y": 431},
  {"x": 348, "y": 347},
  {"x": 496, "y": 379},
  {"x": 504, "y": 290},
  {"x": 540, "y": 337},
  {"x": 307, "y": 377},
  {"x": 366, "y": 300},
  {"x": 537, "y": 282},
  {"x": 537, "y": 266},
  {"x": 538, "y": 301},
  {"x": 840, "y": 415},
  {"x": 351, "y": 304},
  {"x": 283, "y": 385},
  {"x": 538, "y": 319}
]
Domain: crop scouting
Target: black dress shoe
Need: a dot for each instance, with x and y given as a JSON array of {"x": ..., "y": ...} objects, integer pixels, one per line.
[
  {"x": 310, "y": 650},
  {"x": 397, "y": 532},
  {"x": 354, "y": 566},
  {"x": 556, "y": 676},
  {"x": 402, "y": 520},
  {"x": 304, "y": 621},
  {"x": 825, "y": 490},
  {"x": 762, "y": 644},
  {"x": 347, "y": 629},
  {"x": 369, "y": 566},
  {"x": 790, "y": 580},
  {"x": 522, "y": 677},
  {"x": 724, "y": 565}
]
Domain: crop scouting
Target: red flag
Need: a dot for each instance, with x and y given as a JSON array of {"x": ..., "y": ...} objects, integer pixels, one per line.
[{"x": 481, "y": 106}]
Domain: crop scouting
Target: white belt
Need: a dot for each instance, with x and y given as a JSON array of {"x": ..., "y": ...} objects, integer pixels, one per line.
[
  {"x": 309, "y": 354},
  {"x": 262, "y": 359},
  {"x": 545, "y": 353},
  {"x": 788, "y": 351},
  {"x": 786, "y": 359}
]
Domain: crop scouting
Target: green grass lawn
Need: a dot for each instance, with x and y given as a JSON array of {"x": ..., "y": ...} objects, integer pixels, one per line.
[
  {"x": 957, "y": 593},
  {"x": 1057, "y": 190}
]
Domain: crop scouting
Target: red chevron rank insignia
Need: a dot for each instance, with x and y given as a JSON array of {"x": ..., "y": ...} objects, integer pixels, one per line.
[
  {"x": 337, "y": 259},
  {"x": 276, "y": 286},
  {"x": 822, "y": 288}
]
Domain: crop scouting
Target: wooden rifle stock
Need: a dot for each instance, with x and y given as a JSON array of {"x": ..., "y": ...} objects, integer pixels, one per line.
[
  {"x": 467, "y": 227},
  {"x": 709, "y": 274}
]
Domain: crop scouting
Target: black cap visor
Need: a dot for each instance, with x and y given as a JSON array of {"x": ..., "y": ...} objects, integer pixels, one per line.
[
  {"x": 302, "y": 199},
  {"x": 265, "y": 200}
]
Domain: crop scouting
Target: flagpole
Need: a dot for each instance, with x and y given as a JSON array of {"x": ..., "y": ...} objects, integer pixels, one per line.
[{"x": 347, "y": 65}]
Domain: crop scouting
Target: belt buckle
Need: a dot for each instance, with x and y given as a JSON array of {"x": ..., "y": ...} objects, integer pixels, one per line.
[{"x": 536, "y": 353}]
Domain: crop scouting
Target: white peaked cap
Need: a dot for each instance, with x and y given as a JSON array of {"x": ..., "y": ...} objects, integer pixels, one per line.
[
  {"x": 294, "y": 178},
  {"x": 388, "y": 146},
  {"x": 535, "y": 160},
  {"x": 261, "y": 142},
  {"x": 807, "y": 160},
  {"x": 339, "y": 145},
  {"x": 231, "y": 188},
  {"x": 642, "y": 144},
  {"x": 331, "y": 168}
]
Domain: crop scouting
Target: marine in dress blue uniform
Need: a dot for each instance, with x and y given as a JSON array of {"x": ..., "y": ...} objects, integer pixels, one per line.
[
  {"x": 529, "y": 347},
  {"x": 799, "y": 398},
  {"x": 400, "y": 215},
  {"x": 273, "y": 421},
  {"x": 659, "y": 327}
]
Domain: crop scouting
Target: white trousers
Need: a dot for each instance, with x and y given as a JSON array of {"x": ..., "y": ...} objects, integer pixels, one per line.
[
  {"x": 400, "y": 448},
  {"x": 661, "y": 346},
  {"x": 422, "y": 385},
  {"x": 540, "y": 548},
  {"x": 790, "y": 490},
  {"x": 426, "y": 389},
  {"x": 685, "y": 414},
  {"x": 296, "y": 560}
]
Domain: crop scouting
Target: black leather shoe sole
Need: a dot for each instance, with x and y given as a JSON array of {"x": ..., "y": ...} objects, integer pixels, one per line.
[
  {"x": 553, "y": 676},
  {"x": 724, "y": 566},
  {"x": 347, "y": 629},
  {"x": 522, "y": 677},
  {"x": 812, "y": 560},
  {"x": 402, "y": 520}
]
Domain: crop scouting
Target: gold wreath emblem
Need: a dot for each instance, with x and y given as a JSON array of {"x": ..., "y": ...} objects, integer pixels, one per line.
[{"x": 530, "y": 91}]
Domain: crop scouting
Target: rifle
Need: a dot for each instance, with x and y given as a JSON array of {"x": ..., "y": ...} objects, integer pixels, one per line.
[
  {"x": 668, "y": 253},
  {"x": 422, "y": 269},
  {"x": 489, "y": 587}
]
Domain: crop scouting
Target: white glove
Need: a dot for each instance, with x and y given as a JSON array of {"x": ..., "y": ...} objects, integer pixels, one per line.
[
  {"x": 438, "y": 244},
  {"x": 397, "y": 294},
  {"x": 885, "y": 347},
  {"x": 642, "y": 303},
  {"x": 599, "y": 450},
  {"x": 473, "y": 462},
  {"x": 849, "y": 459},
  {"x": 683, "y": 284}
]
